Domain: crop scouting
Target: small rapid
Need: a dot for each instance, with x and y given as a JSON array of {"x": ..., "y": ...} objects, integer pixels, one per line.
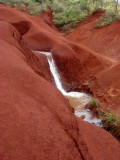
[{"x": 76, "y": 99}]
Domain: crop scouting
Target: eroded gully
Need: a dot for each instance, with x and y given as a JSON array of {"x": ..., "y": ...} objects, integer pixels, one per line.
[{"x": 77, "y": 100}]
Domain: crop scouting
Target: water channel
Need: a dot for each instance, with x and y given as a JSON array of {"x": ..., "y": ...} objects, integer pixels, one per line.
[{"x": 77, "y": 100}]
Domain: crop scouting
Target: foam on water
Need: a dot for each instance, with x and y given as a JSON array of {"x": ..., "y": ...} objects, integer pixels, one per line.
[
  {"x": 89, "y": 117},
  {"x": 80, "y": 97}
]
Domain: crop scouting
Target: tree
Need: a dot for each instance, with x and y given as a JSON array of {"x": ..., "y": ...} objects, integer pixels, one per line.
[
  {"x": 43, "y": 4},
  {"x": 101, "y": 3},
  {"x": 116, "y": 7}
]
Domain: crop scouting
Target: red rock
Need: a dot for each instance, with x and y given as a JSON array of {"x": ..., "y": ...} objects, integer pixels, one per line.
[
  {"x": 36, "y": 120},
  {"x": 105, "y": 41}
]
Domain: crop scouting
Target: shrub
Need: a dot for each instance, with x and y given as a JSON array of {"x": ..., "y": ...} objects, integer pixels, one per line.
[
  {"x": 69, "y": 15},
  {"x": 94, "y": 106},
  {"x": 22, "y": 6},
  {"x": 94, "y": 102},
  {"x": 68, "y": 12},
  {"x": 35, "y": 8},
  {"x": 109, "y": 18},
  {"x": 112, "y": 124}
]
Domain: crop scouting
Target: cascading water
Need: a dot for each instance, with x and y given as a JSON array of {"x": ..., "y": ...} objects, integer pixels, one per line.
[{"x": 77, "y": 100}]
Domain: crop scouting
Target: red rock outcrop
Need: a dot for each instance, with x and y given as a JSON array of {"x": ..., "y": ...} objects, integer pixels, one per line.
[
  {"x": 105, "y": 41},
  {"x": 78, "y": 65},
  {"x": 36, "y": 120},
  {"x": 78, "y": 61},
  {"x": 107, "y": 86}
]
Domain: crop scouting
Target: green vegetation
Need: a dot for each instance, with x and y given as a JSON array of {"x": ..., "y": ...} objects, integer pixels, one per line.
[
  {"x": 94, "y": 106},
  {"x": 34, "y": 8},
  {"x": 112, "y": 124},
  {"x": 68, "y": 13},
  {"x": 94, "y": 102},
  {"x": 109, "y": 18},
  {"x": 112, "y": 13},
  {"x": 110, "y": 121}
]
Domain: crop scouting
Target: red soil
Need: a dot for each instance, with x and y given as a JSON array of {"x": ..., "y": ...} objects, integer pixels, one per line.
[
  {"x": 36, "y": 120},
  {"x": 104, "y": 41}
]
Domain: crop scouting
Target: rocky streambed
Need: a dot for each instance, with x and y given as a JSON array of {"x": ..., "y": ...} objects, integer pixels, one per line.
[{"x": 77, "y": 100}]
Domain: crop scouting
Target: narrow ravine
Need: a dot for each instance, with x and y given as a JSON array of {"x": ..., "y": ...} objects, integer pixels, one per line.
[{"x": 76, "y": 99}]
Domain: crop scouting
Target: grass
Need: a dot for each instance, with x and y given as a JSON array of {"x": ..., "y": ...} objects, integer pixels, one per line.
[
  {"x": 111, "y": 123},
  {"x": 94, "y": 103},
  {"x": 94, "y": 106}
]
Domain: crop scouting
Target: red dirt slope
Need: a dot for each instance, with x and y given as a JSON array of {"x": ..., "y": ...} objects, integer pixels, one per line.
[
  {"x": 104, "y": 40},
  {"x": 78, "y": 64},
  {"x": 41, "y": 36},
  {"x": 36, "y": 120},
  {"x": 107, "y": 85}
]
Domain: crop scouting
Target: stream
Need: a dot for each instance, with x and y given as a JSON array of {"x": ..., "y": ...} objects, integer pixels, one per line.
[{"x": 77, "y": 100}]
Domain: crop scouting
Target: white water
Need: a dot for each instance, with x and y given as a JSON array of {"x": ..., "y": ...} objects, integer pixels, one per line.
[{"x": 80, "y": 99}]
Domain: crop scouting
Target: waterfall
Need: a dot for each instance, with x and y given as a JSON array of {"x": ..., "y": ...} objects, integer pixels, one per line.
[
  {"x": 80, "y": 99},
  {"x": 54, "y": 72},
  {"x": 57, "y": 77}
]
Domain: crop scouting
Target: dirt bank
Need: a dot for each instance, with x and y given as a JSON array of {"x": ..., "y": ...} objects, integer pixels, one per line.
[
  {"x": 78, "y": 65},
  {"x": 104, "y": 41},
  {"x": 36, "y": 120}
]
